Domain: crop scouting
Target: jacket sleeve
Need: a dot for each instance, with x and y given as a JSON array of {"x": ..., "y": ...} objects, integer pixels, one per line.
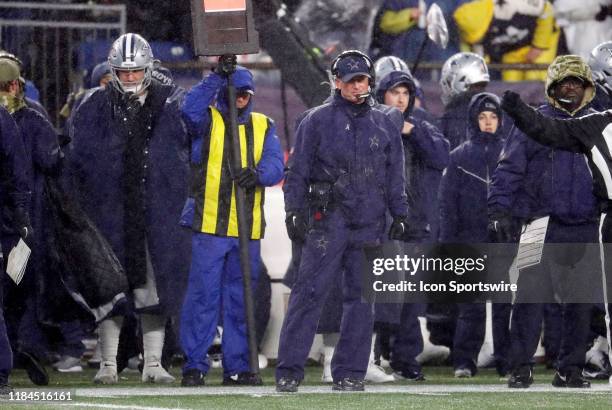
[
  {"x": 544, "y": 35},
  {"x": 299, "y": 166},
  {"x": 396, "y": 18},
  {"x": 430, "y": 145},
  {"x": 447, "y": 197},
  {"x": 575, "y": 134},
  {"x": 15, "y": 170},
  {"x": 195, "y": 104},
  {"x": 47, "y": 153},
  {"x": 396, "y": 178},
  {"x": 509, "y": 173},
  {"x": 270, "y": 166},
  {"x": 473, "y": 19}
]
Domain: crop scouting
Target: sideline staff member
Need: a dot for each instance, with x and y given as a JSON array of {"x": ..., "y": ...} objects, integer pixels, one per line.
[{"x": 347, "y": 172}]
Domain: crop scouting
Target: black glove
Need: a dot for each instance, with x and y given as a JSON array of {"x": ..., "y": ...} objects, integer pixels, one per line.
[
  {"x": 511, "y": 101},
  {"x": 399, "y": 229},
  {"x": 604, "y": 12},
  {"x": 525, "y": 118},
  {"x": 297, "y": 226},
  {"x": 503, "y": 228},
  {"x": 22, "y": 225},
  {"x": 132, "y": 106},
  {"x": 227, "y": 65},
  {"x": 247, "y": 178}
]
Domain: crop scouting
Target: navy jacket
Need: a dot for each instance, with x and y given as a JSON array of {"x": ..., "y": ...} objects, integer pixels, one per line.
[
  {"x": 464, "y": 188},
  {"x": 14, "y": 172},
  {"x": 426, "y": 152},
  {"x": 455, "y": 121},
  {"x": 197, "y": 118},
  {"x": 533, "y": 180},
  {"x": 357, "y": 149}
]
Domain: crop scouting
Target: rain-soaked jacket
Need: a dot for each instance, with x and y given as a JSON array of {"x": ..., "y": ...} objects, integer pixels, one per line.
[{"x": 533, "y": 180}]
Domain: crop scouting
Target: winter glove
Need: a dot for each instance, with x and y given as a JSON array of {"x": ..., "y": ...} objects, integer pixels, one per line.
[
  {"x": 227, "y": 65},
  {"x": 525, "y": 118},
  {"x": 22, "y": 225},
  {"x": 132, "y": 106},
  {"x": 604, "y": 12},
  {"x": 247, "y": 178},
  {"x": 510, "y": 101},
  {"x": 296, "y": 226},
  {"x": 399, "y": 229},
  {"x": 503, "y": 228}
]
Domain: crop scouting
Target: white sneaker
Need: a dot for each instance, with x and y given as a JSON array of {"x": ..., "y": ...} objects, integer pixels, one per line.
[
  {"x": 263, "y": 361},
  {"x": 430, "y": 351},
  {"x": 433, "y": 352},
  {"x": 68, "y": 364},
  {"x": 376, "y": 374},
  {"x": 384, "y": 363},
  {"x": 155, "y": 373},
  {"x": 463, "y": 373},
  {"x": 597, "y": 358},
  {"x": 610, "y": 381},
  {"x": 107, "y": 374}
]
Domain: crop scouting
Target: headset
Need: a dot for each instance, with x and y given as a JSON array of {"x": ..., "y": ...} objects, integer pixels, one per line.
[{"x": 358, "y": 54}]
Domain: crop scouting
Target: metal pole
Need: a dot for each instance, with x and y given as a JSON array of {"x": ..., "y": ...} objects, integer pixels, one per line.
[
  {"x": 243, "y": 234},
  {"x": 419, "y": 55}
]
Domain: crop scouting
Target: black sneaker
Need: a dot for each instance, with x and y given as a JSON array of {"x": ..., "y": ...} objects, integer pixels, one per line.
[
  {"x": 243, "y": 379},
  {"x": 521, "y": 378},
  {"x": 36, "y": 371},
  {"x": 410, "y": 375},
  {"x": 192, "y": 378},
  {"x": 287, "y": 385},
  {"x": 571, "y": 378},
  {"x": 5, "y": 389},
  {"x": 348, "y": 384}
]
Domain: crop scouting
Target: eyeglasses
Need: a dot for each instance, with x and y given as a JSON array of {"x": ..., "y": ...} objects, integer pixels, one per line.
[{"x": 571, "y": 83}]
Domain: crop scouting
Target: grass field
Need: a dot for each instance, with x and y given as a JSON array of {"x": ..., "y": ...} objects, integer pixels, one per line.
[{"x": 440, "y": 391}]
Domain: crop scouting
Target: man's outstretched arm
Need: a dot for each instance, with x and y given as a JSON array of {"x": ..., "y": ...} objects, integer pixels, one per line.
[{"x": 577, "y": 134}]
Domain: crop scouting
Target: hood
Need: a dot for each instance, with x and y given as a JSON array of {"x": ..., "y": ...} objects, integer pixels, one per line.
[
  {"x": 393, "y": 79},
  {"x": 569, "y": 66},
  {"x": 98, "y": 72},
  {"x": 474, "y": 109},
  {"x": 243, "y": 80}
]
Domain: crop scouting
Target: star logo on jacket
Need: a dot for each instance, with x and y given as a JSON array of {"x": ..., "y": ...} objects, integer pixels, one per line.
[
  {"x": 348, "y": 127},
  {"x": 374, "y": 142},
  {"x": 322, "y": 244}
]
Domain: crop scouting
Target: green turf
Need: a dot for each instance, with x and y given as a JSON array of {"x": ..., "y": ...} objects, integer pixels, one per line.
[{"x": 435, "y": 376}]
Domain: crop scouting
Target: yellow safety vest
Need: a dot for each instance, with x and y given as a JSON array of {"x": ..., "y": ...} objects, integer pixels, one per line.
[{"x": 215, "y": 198}]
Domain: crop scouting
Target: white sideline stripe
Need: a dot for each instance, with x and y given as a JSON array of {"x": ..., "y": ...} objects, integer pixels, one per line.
[
  {"x": 374, "y": 389},
  {"x": 600, "y": 163},
  {"x": 103, "y": 406}
]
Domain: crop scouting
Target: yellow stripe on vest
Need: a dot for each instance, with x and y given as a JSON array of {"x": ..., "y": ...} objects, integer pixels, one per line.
[
  {"x": 260, "y": 126},
  {"x": 232, "y": 228},
  {"x": 214, "y": 170},
  {"x": 213, "y": 173}
]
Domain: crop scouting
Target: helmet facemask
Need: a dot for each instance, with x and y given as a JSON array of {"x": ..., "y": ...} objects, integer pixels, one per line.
[{"x": 131, "y": 52}]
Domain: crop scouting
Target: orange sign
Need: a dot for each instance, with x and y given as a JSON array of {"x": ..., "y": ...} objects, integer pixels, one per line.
[{"x": 214, "y": 6}]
